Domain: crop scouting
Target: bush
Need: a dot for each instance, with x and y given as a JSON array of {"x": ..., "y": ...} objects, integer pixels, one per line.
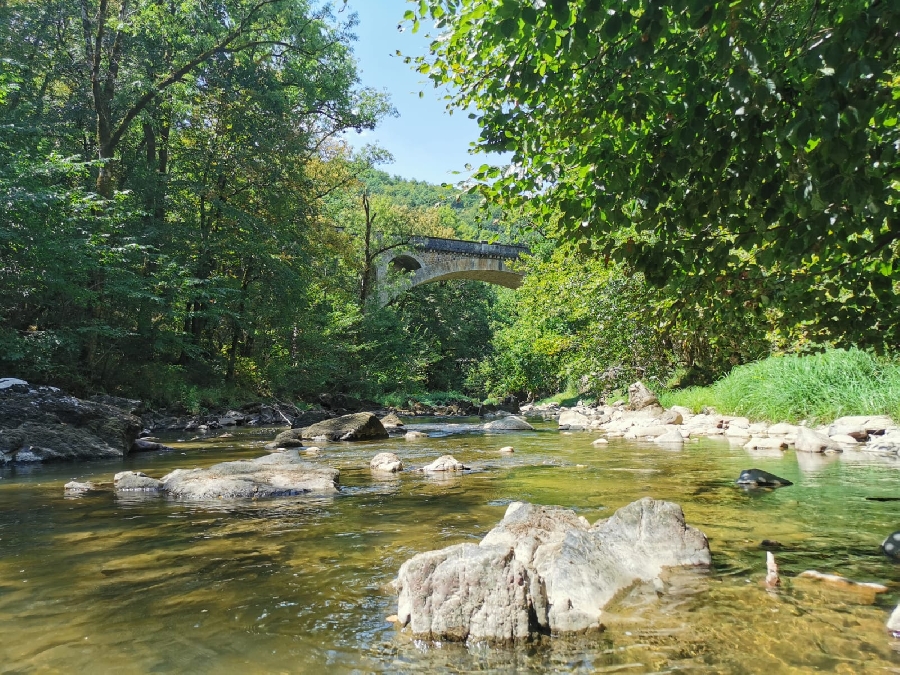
[{"x": 817, "y": 387}]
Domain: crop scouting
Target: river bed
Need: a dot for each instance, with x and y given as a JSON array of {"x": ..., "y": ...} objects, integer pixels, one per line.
[{"x": 144, "y": 584}]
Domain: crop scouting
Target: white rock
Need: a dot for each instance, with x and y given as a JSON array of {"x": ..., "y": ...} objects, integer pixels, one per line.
[
  {"x": 765, "y": 444},
  {"x": 7, "y": 382},
  {"x": 545, "y": 564},
  {"x": 414, "y": 435},
  {"x": 673, "y": 437},
  {"x": 783, "y": 429},
  {"x": 444, "y": 463},
  {"x": 507, "y": 449},
  {"x": 600, "y": 441},
  {"x": 574, "y": 420},
  {"x": 386, "y": 462},
  {"x": 812, "y": 441}
]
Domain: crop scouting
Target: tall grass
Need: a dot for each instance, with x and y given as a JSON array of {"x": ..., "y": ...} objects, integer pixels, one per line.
[{"x": 817, "y": 388}]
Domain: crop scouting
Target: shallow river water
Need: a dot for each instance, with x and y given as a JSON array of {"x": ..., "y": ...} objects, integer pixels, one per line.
[{"x": 103, "y": 583}]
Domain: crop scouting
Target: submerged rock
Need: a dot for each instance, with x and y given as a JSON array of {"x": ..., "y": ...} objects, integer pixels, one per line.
[
  {"x": 276, "y": 475},
  {"x": 73, "y": 487},
  {"x": 143, "y": 445},
  {"x": 362, "y": 426},
  {"x": 541, "y": 570},
  {"x": 754, "y": 478},
  {"x": 510, "y": 423},
  {"x": 386, "y": 462}
]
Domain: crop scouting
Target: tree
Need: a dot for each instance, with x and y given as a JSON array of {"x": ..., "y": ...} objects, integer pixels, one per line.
[{"x": 743, "y": 153}]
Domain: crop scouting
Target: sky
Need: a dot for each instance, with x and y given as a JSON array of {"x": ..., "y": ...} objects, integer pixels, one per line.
[{"x": 427, "y": 143}]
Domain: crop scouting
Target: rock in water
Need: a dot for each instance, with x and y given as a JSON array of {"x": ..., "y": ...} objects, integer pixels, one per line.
[
  {"x": 574, "y": 420},
  {"x": 542, "y": 569},
  {"x": 43, "y": 424},
  {"x": 391, "y": 421},
  {"x": 357, "y": 427},
  {"x": 386, "y": 462},
  {"x": 511, "y": 423},
  {"x": 444, "y": 463},
  {"x": 73, "y": 487},
  {"x": 891, "y": 546},
  {"x": 136, "y": 481},
  {"x": 812, "y": 441},
  {"x": 278, "y": 475},
  {"x": 754, "y": 478}
]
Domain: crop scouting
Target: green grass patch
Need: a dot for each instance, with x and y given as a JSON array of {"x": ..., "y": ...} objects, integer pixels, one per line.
[
  {"x": 817, "y": 388},
  {"x": 564, "y": 398}
]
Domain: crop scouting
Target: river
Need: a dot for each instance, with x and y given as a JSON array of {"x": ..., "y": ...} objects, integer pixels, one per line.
[{"x": 145, "y": 584}]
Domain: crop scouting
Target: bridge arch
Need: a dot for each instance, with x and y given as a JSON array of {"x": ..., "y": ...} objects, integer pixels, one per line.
[{"x": 429, "y": 259}]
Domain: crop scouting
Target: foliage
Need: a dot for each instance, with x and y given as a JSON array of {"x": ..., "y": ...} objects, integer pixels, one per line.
[
  {"x": 815, "y": 388},
  {"x": 743, "y": 153},
  {"x": 576, "y": 324}
]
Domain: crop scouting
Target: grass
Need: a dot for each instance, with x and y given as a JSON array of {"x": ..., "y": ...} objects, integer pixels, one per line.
[
  {"x": 816, "y": 388},
  {"x": 564, "y": 398}
]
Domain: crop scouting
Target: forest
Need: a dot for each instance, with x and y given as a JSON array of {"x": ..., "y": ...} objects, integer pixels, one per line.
[{"x": 184, "y": 221}]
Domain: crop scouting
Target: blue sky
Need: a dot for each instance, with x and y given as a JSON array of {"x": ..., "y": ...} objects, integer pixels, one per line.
[{"x": 427, "y": 143}]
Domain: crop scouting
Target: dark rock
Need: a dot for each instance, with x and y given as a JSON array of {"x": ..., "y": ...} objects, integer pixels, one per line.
[
  {"x": 142, "y": 445},
  {"x": 357, "y": 427},
  {"x": 891, "y": 546},
  {"x": 310, "y": 417},
  {"x": 754, "y": 478},
  {"x": 44, "y": 424},
  {"x": 129, "y": 405},
  {"x": 292, "y": 438}
]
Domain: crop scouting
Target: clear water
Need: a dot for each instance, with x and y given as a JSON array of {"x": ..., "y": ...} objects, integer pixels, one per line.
[{"x": 146, "y": 584}]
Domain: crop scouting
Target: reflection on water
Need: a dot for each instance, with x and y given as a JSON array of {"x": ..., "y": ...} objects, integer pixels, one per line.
[{"x": 143, "y": 584}]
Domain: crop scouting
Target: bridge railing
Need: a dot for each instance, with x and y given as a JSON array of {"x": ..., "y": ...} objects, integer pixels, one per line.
[{"x": 476, "y": 248}]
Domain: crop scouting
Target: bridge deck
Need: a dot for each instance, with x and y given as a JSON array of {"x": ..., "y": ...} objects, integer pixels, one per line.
[{"x": 480, "y": 249}]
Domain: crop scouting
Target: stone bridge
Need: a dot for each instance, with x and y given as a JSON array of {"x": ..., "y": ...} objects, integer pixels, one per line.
[{"x": 427, "y": 259}]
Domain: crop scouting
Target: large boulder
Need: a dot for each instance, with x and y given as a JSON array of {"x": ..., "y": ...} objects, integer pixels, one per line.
[
  {"x": 43, "y": 424},
  {"x": 310, "y": 417},
  {"x": 572, "y": 419},
  {"x": 511, "y": 423},
  {"x": 276, "y": 475},
  {"x": 362, "y": 426},
  {"x": 639, "y": 397},
  {"x": 809, "y": 440},
  {"x": 542, "y": 570}
]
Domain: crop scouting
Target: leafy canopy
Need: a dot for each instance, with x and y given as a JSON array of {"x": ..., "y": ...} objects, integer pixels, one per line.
[{"x": 743, "y": 152}]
